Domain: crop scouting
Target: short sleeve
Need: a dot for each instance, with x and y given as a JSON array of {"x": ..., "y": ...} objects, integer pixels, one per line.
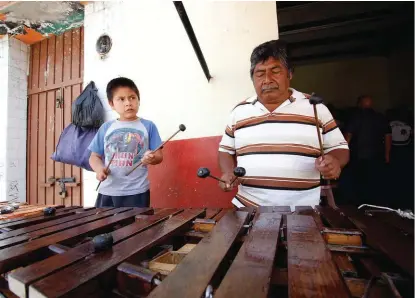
[
  {"x": 154, "y": 137},
  {"x": 97, "y": 144},
  {"x": 332, "y": 136},
  {"x": 227, "y": 143}
]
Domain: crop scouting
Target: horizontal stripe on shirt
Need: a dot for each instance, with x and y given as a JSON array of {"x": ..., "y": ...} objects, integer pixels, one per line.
[
  {"x": 276, "y": 118},
  {"x": 280, "y": 183},
  {"x": 289, "y": 149}
]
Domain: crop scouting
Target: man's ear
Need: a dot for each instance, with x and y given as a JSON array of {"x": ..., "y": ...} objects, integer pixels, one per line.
[{"x": 290, "y": 75}]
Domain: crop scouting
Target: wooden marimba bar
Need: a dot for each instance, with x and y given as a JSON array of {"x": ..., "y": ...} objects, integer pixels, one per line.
[{"x": 265, "y": 252}]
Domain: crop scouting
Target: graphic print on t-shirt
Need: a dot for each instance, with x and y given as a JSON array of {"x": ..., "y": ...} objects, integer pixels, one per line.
[{"x": 127, "y": 144}]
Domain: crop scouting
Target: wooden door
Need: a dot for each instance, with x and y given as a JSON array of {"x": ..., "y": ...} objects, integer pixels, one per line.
[{"x": 55, "y": 81}]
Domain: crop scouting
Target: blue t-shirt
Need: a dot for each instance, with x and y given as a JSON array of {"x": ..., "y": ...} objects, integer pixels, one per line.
[{"x": 128, "y": 140}]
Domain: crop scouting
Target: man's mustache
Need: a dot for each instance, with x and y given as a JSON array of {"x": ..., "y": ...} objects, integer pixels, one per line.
[{"x": 269, "y": 87}]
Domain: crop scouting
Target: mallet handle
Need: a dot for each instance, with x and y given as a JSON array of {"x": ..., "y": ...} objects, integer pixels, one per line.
[{"x": 159, "y": 147}]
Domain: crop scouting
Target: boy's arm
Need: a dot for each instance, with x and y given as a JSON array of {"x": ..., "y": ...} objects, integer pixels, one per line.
[
  {"x": 153, "y": 157},
  {"x": 95, "y": 161}
]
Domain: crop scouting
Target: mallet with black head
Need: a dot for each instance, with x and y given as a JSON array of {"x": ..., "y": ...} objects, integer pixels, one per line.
[
  {"x": 181, "y": 128},
  {"x": 238, "y": 172},
  {"x": 205, "y": 172},
  {"x": 315, "y": 100}
]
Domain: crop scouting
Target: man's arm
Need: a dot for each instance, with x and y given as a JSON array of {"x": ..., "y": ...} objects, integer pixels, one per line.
[
  {"x": 342, "y": 155},
  {"x": 348, "y": 137},
  {"x": 227, "y": 162}
]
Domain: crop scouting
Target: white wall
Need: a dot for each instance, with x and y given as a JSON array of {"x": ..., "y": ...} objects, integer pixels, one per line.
[
  {"x": 150, "y": 45},
  {"x": 13, "y": 115}
]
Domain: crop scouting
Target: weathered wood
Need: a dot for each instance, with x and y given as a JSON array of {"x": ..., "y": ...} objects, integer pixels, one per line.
[
  {"x": 311, "y": 271},
  {"x": 24, "y": 222},
  {"x": 58, "y": 228},
  {"x": 357, "y": 288},
  {"x": 212, "y": 212},
  {"x": 77, "y": 275},
  {"x": 54, "y": 222},
  {"x": 199, "y": 266},
  {"x": 371, "y": 267},
  {"x": 20, "y": 279},
  {"x": 345, "y": 264},
  {"x": 268, "y": 209},
  {"x": 334, "y": 218},
  {"x": 404, "y": 225},
  {"x": 16, "y": 256},
  {"x": 308, "y": 210},
  {"x": 399, "y": 248},
  {"x": 250, "y": 272}
]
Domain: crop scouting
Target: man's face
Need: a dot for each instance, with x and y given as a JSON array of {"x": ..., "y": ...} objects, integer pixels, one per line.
[
  {"x": 125, "y": 102},
  {"x": 367, "y": 103},
  {"x": 271, "y": 81}
]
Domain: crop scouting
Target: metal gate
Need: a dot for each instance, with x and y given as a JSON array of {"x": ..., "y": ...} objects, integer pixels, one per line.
[{"x": 55, "y": 81}]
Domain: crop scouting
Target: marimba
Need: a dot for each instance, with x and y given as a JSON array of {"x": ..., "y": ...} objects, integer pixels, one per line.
[{"x": 265, "y": 252}]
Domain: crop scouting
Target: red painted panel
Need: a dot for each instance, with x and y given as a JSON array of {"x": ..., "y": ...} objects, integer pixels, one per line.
[{"x": 174, "y": 182}]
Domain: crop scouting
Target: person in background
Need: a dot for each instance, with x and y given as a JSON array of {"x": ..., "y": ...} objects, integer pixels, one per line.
[
  {"x": 369, "y": 136},
  {"x": 402, "y": 158}
]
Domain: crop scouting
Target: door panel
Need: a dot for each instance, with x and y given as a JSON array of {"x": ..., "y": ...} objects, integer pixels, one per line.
[{"x": 55, "y": 81}]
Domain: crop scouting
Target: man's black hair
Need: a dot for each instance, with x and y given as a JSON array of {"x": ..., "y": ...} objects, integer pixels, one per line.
[
  {"x": 361, "y": 97},
  {"x": 120, "y": 82},
  {"x": 273, "y": 48}
]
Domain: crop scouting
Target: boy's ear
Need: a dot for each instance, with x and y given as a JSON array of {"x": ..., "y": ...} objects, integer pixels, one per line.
[{"x": 111, "y": 103}]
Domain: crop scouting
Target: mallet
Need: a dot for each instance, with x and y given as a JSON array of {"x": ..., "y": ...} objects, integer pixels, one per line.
[
  {"x": 181, "y": 128},
  {"x": 106, "y": 169},
  {"x": 238, "y": 172},
  {"x": 315, "y": 100},
  {"x": 204, "y": 173}
]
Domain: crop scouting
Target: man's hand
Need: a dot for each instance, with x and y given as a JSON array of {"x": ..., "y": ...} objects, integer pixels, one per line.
[
  {"x": 227, "y": 177},
  {"x": 102, "y": 174},
  {"x": 328, "y": 166},
  {"x": 149, "y": 158}
]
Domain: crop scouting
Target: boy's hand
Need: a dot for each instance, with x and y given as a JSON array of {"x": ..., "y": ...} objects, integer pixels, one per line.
[
  {"x": 149, "y": 158},
  {"x": 102, "y": 174}
]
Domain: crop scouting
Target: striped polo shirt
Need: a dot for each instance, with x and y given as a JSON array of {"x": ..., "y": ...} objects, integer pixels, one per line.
[{"x": 278, "y": 150}]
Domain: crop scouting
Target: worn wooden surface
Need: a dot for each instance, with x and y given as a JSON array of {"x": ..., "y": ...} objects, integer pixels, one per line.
[
  {"x": 68, "y": 279},
  {"x": 311, "y": 271},
  {"x": 249, "y": 273},
  {"x": 266, "y": 252},
  {"x": 398, "y": 247},
  {"x": 198, "y": 267}
]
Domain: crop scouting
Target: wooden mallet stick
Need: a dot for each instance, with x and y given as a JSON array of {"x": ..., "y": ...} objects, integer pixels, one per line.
[
  {"x": 106, "y": 169},
  {"x": 181, "y": 128},
  {"x": 315, "y": 100}
]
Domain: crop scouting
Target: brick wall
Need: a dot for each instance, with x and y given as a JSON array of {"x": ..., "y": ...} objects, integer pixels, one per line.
[{"x": 13, "y": 118}]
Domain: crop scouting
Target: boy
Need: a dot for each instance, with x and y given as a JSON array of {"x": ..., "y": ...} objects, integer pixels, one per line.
[{"x": 127, "y": 140}]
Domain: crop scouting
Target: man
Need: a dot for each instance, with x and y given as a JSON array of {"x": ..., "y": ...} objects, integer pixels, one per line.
[
  {"x": 273, "y": 136},
  {"x": 369, "y": 136}
]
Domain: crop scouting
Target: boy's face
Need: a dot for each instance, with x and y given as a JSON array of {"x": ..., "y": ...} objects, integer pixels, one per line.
[{"x": 125, "y": 102}]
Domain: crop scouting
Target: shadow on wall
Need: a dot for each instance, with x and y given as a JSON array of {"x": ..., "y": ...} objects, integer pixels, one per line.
[{"x": 174, "y": 182}]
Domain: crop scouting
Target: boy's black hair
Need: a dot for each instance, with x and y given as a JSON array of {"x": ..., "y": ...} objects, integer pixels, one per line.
[
  {"x": 120, "y": 82},
  {"x": 273, "y": 48}
]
